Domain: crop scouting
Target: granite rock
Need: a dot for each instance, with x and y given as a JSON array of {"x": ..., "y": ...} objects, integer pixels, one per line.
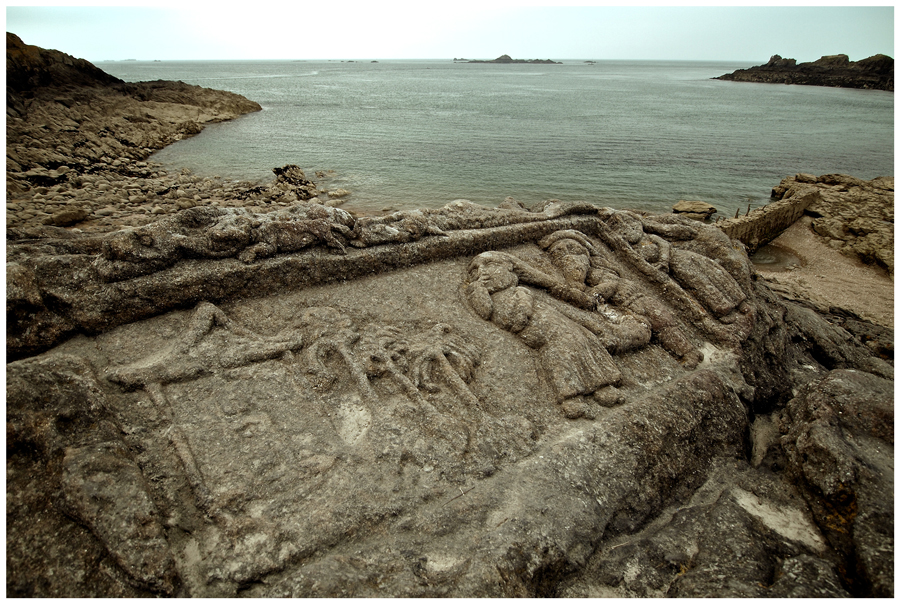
[
  {"x": 76, "y": 136},
  {"x": 875, "y": 72},
  {"x": 698, "y": 210},
  {"x": 567, "y": 400},
  {"x": 855, "y": 216},
  {"x": 280, "y": 398}
]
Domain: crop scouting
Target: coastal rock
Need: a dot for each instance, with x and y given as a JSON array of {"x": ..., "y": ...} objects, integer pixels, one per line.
[
  {"x": 506, "y": 59},
  {"x": 744, "y": 533},
  {"x": 30, "y": 67},
  {"x": 287, "y": 400},
  {"x": 291, "y": 179},
  {"x": 875, "y": 72},
  {"x": 67, "y": 217},
  {"x": 68, "y": 121},
  {"x": 526, "y": 405},
  {"x": 855, "y": 216},
  {"x": 839, "y": 444},
  {"x": 698, "y": 210},
  {"x": 778, "y": 61}
]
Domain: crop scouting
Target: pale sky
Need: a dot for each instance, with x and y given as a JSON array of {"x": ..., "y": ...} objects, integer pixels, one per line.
[{"x": 442, "y": 30}]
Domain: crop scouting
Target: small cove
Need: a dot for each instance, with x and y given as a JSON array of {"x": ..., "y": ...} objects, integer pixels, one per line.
[{"x": 637, "y": 134}]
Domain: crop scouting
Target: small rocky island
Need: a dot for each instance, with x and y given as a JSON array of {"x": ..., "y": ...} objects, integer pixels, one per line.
[
  {"x": 508, "y": 59},
  {"x": 221, "y": 390},
  {"x": 874, "y": 73}
]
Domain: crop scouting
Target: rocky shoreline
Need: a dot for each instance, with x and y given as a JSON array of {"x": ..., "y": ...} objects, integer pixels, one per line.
[
  {"x": 218, "y": 389},
  {"x": 77, "y": 149},
  {"x": 874, "y": 73}
]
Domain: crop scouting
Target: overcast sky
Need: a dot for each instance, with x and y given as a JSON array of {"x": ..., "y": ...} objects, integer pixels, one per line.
[{"x": 409, "y": 30}]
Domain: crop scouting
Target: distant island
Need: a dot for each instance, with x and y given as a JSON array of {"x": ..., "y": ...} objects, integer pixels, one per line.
[
  {"x": 874, "y": 73},
  {"x": 508, "y": 59}
]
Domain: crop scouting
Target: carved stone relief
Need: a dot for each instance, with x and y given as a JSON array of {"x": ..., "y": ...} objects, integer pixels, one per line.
[{"x": 262, "y": 440}]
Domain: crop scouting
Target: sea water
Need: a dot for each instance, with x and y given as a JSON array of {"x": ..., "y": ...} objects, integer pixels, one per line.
[{"x": 623, "y": 134}]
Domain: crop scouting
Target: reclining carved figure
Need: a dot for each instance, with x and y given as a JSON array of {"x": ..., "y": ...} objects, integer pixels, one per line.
[
  {"x": 585, "y": 267},
  {"x": 708, "y": 281},
  {"x": 220, "y": 233},
  {"x": 570, "y": 344},
  {"x": 412, "y": 225}
]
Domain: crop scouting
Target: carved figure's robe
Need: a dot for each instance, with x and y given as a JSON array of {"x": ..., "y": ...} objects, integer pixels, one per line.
[{"x": 575, "y": 361}]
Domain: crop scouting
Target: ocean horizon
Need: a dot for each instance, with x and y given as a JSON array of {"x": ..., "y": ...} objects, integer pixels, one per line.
[{"x": 408, "y": 133}]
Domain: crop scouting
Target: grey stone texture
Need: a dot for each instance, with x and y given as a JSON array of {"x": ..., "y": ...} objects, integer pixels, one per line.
[
  {"x": 488, "y": 411},
  {"x": 852, "y": 215},
  {"x": 281, "y": 398}
]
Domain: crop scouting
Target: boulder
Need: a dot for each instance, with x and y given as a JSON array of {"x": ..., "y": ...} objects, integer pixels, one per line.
[
  {"x": 698, "y": 210},
  {"x": 67, "y": 217},
  {"x": 777, "y": 61}
]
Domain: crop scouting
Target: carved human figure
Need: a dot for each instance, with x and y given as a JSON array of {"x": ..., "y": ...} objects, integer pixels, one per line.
[
  {"x": 211, "y": 232},
  {"x": 574, "y": 360},
  {"x": 195, "y": 352},
  {"x": 584, "y": 268},
  {"x": 702, "y": 276}
]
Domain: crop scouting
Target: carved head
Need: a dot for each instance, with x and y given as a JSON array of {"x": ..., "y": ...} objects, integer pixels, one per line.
[
  {"x": 572, "y": 259},
  {"x": 493, "y": 272}
]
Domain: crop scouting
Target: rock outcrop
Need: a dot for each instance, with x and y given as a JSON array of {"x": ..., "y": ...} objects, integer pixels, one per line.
[
  {"x": 508, "y": 403},
  {"x": 77, "y": 140},
  {"x": 852, "y": 215},
  {"x": 508, "y": 59},
  {"x": 561, "y": 400},
  {"x": 876, "y": 72},
  {"x": 30, "y": 68}
]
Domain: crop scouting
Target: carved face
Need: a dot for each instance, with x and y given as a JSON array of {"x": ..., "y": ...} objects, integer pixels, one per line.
[
  {"x": 572, "y": 259},
  {"x": 493, "y": 274}
]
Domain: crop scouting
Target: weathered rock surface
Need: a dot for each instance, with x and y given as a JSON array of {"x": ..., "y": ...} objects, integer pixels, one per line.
[
  {"x": 497, "y": 402},
  {"x": 838, "y": 442},
  {"x": 876, "y": 72},
  {"x": 561, "y": 400},
  {"x": 698, "y": 210},
  {"x": 854, "y": 216},
  {"x": 77, "y": 140},
  {"x": 29, "y": 68}
]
